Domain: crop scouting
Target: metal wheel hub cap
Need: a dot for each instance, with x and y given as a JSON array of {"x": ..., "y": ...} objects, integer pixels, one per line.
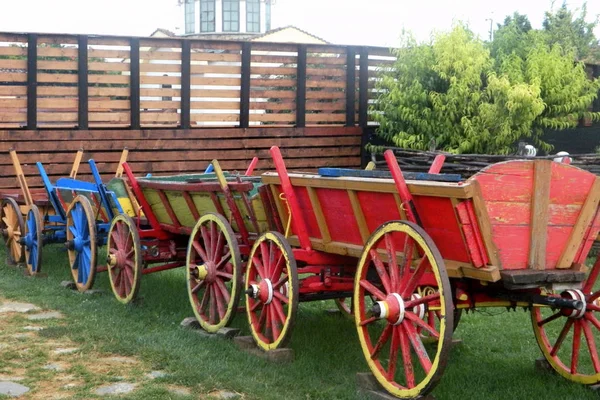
[
  {"x": 207, "y": 271},
  {"x": 391, "y": 309},
  {"x": 574, "y": 294}
]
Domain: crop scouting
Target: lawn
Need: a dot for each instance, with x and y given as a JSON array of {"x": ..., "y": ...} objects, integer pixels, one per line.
[{"x": 494, "y": 361}]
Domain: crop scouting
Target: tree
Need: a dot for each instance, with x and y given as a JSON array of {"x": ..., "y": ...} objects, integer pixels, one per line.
[
  {"x": 571, "y": 31},
  {"x": 451, "y": 92},
  {"x": 511, "y": 36}
]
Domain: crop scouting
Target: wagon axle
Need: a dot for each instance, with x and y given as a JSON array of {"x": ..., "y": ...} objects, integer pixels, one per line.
[
  {"x": 393, "y": 308},
  {"x": 569, "y": 299}
]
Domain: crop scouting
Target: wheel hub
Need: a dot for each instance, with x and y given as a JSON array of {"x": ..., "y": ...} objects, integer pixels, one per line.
[
  {"x": 574, "y": 294},
  {"x": 419, "y": 310},
  {"x": 207, "y": 271},
  {"x": 391, "y": 309},
  {"x": 263, "y": 291}
]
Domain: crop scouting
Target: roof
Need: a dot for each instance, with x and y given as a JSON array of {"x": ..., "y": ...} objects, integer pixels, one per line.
[
  {"x": 165, "y": 32},
  {"x": 276, "y": 30}
]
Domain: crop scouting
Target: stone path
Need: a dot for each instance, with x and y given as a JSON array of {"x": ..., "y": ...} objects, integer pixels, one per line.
[{"x": 37, "y": 366}]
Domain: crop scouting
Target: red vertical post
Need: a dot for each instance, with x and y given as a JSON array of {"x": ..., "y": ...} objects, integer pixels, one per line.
[
  {"x": 251, "y": 167},
  {"x": 403, "y": 191},
  {"x": 437, "y": 164},
  {"x": 290, "y": 197},
  {"x": 139, "y": 194}
]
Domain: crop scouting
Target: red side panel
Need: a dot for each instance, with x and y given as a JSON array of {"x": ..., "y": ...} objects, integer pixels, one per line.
[
  {"x": 378, "y": 208},
  {"x": 339, "y": 215},
  {"x": 439, "y": 221}
]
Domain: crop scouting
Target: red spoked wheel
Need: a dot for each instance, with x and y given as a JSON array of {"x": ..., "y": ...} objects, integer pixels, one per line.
[
  {"x": 124, "y": 258},
  {"x": 390, "y": 315},
  {"x": 214, "y": 272},
  {"x": 12, "y": 227},
  {"x": 569, "y": 338},
  {"x": 272, "y": 291}
]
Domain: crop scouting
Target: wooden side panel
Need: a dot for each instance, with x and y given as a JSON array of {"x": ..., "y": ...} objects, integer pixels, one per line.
[
  {"x": 273, "y": 86},
  {"x": 326, "y": 86},
  {"x": 520, "y": 220},
  {"x": 160, "y": 71},
  {"x": 215, "y": 84},
  {"x": 339, "y": 214},
  {"x": 13, "y": 81}
]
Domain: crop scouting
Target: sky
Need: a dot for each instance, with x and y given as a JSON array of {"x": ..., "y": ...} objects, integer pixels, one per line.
[{"x": 356, "y": 22}]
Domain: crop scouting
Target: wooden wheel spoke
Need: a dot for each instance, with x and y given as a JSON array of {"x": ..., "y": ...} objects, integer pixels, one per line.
[
  {"x": 275, "y": 325},
  {"x": 265, "y": 258},
  {"x": 409, "y": 372},
  {"x": 413, "y": 281},
  {"x": 280, "y": 296},
  {"x": 214, "y": 238},
  {"x": 224, "y": 260},
  {"x": 259, "y": 266},
  {"x": 381, "y": 270},
  {"x": 272, "y": 265},
  {"x": 255, "y": 306},
  {"x": 592, "y": 277},
  {"x": 198, "y": 286},
  {"x": 225, "y": 275},
  {"x": 408, "y": 250},
  {"x": 277, "y": 285},
  {"x": 262, "y": 318},
  {"x": 575, "y": 347},
  {"x": 591, "y": 343},
  {"x": 392, "y": 262},
  {"x": 592, "y": 307},
  {"x": 279, "y": 313},
  {"x": 198, "y": 247},
  {"x": 206, "y": 242},
  {"x": 224, "y": 292},
  {"x": 549, "y": 319},
  {"x": 204, "y": 301},
  {"x": 418, "y": 347},
  {"x": 277, "y": 267},
  {"x": 422, "y": 324},
  {"x": 590, "y": 317},
  {"x": 368, "y": 321},
  {"x": 369, "y": 287},
  {"x": 383, "y": 339},
  {"x": 219, "y": 246},
  {"x": 426, "y": 299},
  {"x": 593, "y": 297},
  {"x": 220, "y": 301},
  {"x": 212, "y": 306},
  {"x": 561, "y": 337}
]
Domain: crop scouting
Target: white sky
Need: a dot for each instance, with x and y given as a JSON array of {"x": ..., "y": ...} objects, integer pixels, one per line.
[{"x": 361, "y": 22}]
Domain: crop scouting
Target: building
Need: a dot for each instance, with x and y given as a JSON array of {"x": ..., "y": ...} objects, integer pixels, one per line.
[{"x": 226, "y": 19}]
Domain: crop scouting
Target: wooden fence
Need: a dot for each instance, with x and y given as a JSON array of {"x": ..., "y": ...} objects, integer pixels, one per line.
[{"x": 179, "y": 103}]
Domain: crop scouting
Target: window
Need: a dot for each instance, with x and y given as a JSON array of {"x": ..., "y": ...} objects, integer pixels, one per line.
[
  {"x": 231, "y": 15},
  {"x": 252, "y": 16},
  {"x": 190, "y": 16},
  {"x": 207, "y": 15},
  {"x": 268, "y": 15}
]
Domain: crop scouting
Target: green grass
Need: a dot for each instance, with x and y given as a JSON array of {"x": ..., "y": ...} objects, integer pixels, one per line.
[{"x": 494, "y": 361}]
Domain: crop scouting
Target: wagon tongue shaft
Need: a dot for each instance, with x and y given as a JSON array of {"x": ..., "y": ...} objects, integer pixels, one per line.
[{"x": 552, "y": 301}]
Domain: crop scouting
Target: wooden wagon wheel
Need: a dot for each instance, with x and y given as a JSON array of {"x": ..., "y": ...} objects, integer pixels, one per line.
[
  {"x": 389, "y": 316},
  {"x": 124, "y": 259},
  {"x": 33, "y": 240},
  {"x": 272, "y": 291},
  {"x": 12, "y": 227},
  {"x": 214, "y": 272},
  {"x": 81, "y": 242},
  {"x": 568, "y": 338}
]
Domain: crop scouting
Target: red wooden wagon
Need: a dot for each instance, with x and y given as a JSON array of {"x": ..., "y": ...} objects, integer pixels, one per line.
[{"x": 413, "y": 253}]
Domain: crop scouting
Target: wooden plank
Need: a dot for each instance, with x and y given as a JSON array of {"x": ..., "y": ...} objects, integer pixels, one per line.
[
  {"x": 122, "y": 79},
  {"x": 216, "y": 81},
  {"x": 160, "y": 80},
  {"x": 13, "y": 117},
  {"x": 199, "y": 45},
  {"x": 229, "y": 58},
  {"x": 288, "y": 117},
  {"x": 216, "y": 69},
  {"x": 313, "y": 83},
  {"x": 214, "y": 117},
  {"x": 109, "y": 66},
  {"x": 359, "y": 216},
  {"x": 215, "y": 93},
  {"x": 588, "y": 211},
  {"x": 335, "y": 60},
  {"x": 57, "y": 65},
  {"x": 13, "y": 103},
  {"x": 153, "y": 67},
  {"x": 160, "y": 92},
  {"x": 255, "y": 70},
  {"x": 485, "y": 225},
  {"x": 328, "y": 72},
  {"x": 56, "y": 51},
  {"x": 153, "y": 104},
  {"x": 57, "y": 103},
  {"x": 455, "y": 269},
  {"x": 13, "y": 64},
  {"x": 150, "y": 117},
  {"x": 160, "y": 55},
  {"x": 13, "y": 51},
  {"x": 266, "y": 105},
  {"x": 539, "y": 214},
  {"x": 13, "y": 90},
  {"x": 316, "y": 206},
  {"x": 215, "y": 105},
  {"x": 57, "y": 117},
  {"x": 275, "y": 94},
  {"x": 274, "y": 82},
  {"x": 104, "y": 91},
  {"x": 56, "y": 78},
  {"x": 13, "y": 77},
  {"x": 108, "y": 53},
  {"x": 324, "y": 94},
  {"x": 326, "y": 117},
  {"x": 272, "y": 59}
]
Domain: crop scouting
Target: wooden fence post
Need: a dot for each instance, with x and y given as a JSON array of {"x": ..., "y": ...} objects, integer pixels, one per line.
[
  {"x": 350, "y": 85},
  {"x": 82, "y": 81},
  {"x": 245, "y": 85},
  {"x": 32, "y": 80},
  {"x": 134, "y": 83},
  {"x": 301, "y": 87},
  {"x": 185, "y": 83}
]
